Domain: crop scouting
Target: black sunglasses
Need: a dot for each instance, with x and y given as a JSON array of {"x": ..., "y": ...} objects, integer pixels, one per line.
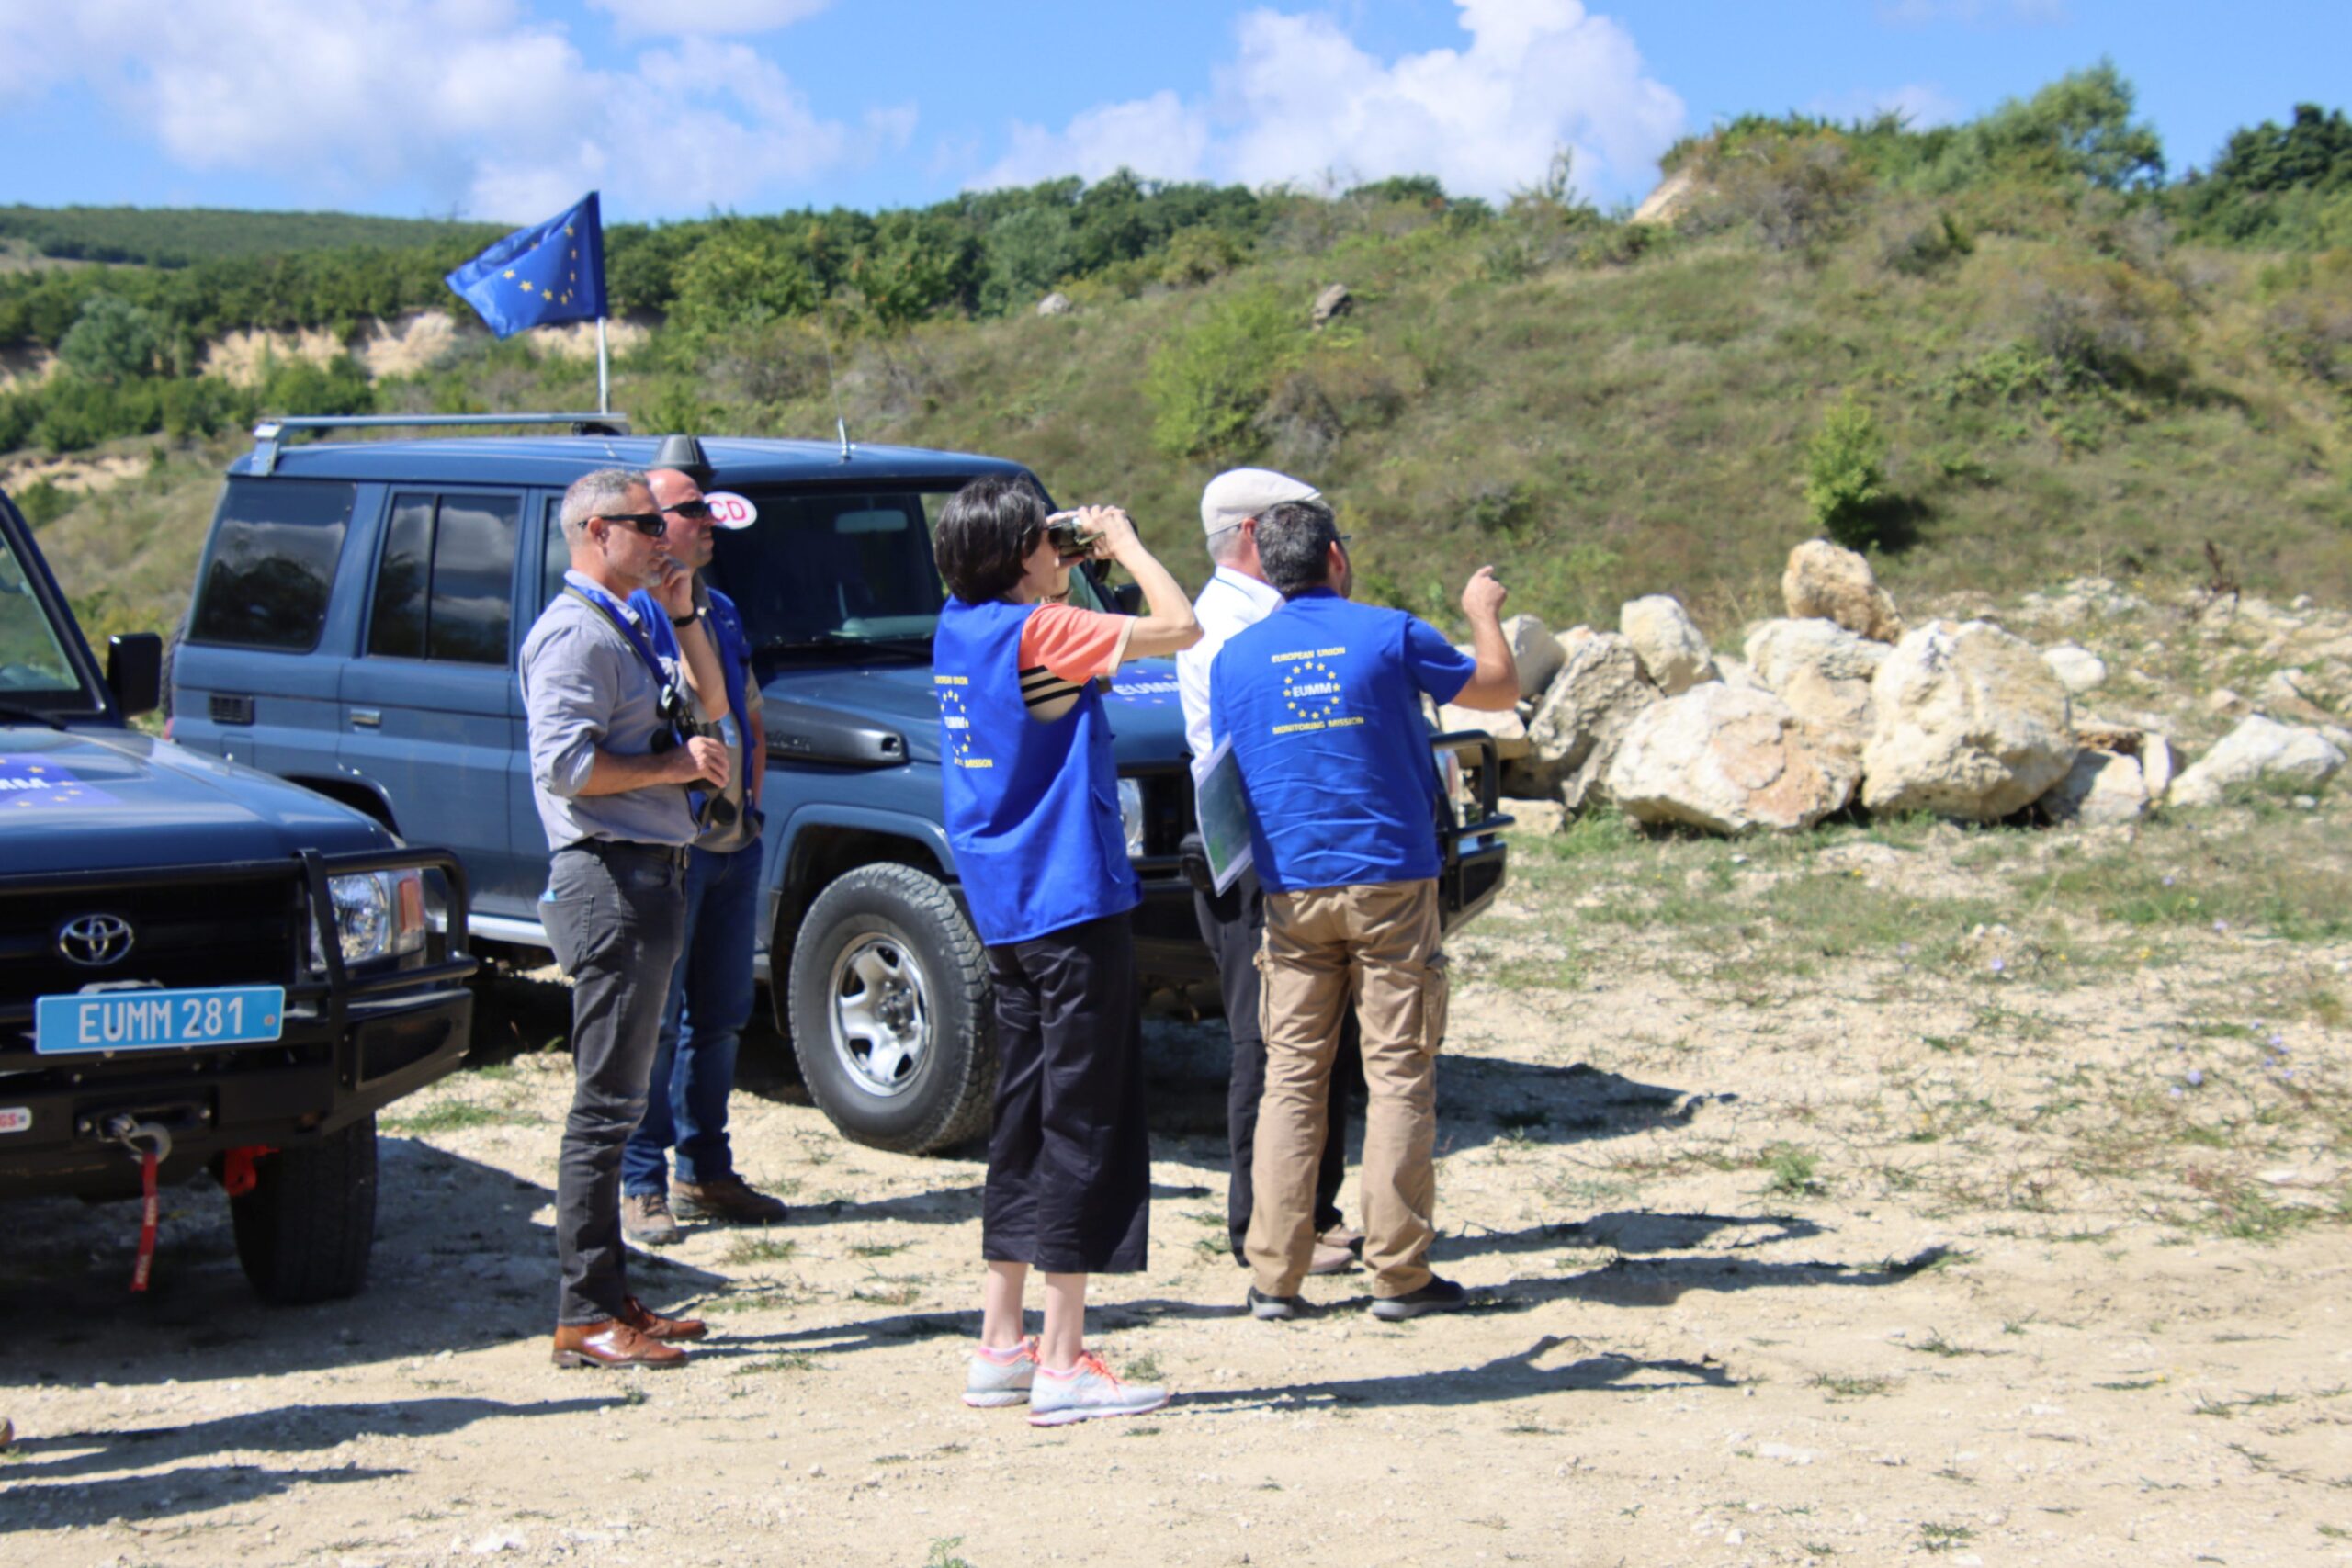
[
  {"x": 652, "y": 525},
  {"x": 691, "y": 511}
]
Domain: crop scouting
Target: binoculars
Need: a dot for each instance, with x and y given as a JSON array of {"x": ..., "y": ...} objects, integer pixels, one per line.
[{"x": 711, "y": 807}]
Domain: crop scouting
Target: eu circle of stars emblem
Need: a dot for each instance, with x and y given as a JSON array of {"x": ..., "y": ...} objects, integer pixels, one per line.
[
  {"x": 957, "y": 719},
  {"x": 1310, "y": 690}
]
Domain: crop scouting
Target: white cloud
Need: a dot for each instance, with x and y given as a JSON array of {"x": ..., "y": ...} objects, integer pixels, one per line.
[
  {"x": 687, "y": 19},
  {"x": 1301, "y": 99},
  {"x": 485, "y": 108}
]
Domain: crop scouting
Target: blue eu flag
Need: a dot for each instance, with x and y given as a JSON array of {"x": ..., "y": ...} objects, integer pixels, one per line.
[{"x": 551, "y": 271}]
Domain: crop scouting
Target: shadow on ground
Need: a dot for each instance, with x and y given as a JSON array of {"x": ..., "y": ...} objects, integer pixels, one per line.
[{"x": 66, "y": 1480}]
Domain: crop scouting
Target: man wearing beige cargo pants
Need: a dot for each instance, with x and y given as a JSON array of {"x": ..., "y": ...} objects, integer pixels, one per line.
[{"x": 1322, "y": 702}]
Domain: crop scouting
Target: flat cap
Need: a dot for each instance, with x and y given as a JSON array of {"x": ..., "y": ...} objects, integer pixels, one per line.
[{"x": 1238, "y": 494}]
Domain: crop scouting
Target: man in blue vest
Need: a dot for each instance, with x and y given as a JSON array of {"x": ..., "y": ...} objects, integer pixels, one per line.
[
  {"x": 710, "y": 991},
  {"x": 1322, "y": 700},
  {"x": 1033, "y": 815}
]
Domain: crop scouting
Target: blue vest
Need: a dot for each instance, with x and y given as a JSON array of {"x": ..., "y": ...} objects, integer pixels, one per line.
[{"x": 1033, "y": 809}]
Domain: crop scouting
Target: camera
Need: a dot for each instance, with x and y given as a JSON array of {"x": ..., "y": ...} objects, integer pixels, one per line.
[{"x": 711, "y": 807}]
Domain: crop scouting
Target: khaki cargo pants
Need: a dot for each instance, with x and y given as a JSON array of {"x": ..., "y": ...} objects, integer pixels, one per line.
[{"x": 1375, "y": 946}]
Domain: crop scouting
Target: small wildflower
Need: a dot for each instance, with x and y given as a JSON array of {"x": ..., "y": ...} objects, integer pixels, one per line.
[
  {"x": 2177, "y": 1092},
  {"x": 2196, "y": 1077},
  {"x": 1902, "y": 949},
  {"x": 2000, "y": 964},
  {"x": 2278, "y": 1041},
  {"x": 2167, "y": 882},
  {"x": 2220, "y": 925}
]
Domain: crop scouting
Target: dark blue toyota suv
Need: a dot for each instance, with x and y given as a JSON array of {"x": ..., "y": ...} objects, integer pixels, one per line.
[
  {"x": 201, "y": 966},
  {"x": 354, "y": 627}
]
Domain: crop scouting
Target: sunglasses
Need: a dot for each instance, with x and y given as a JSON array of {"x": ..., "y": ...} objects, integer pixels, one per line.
[
  {"x": 691, "y": 511},
  {"x": 652, "y": 525}
]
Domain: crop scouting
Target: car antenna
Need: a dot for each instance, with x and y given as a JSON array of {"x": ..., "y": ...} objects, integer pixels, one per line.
[{"x": 840, "y": 423}]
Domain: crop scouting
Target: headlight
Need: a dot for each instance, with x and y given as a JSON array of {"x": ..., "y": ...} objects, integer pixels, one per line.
[
  {"x": 1131, "y": 814},
  {"x": 378, "y": 914}
]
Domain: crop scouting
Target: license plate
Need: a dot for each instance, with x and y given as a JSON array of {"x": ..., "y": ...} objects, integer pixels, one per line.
[{"x": 158, "y": 1020}]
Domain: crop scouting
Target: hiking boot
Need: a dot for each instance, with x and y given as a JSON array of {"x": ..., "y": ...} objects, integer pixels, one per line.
[
  {"x": 1000, "y": 1377},
  {"x": 646, "y": 1219},
  {"x": 1086, "y": 1392},
  {"x": 729, "y": 1199},
  {"x": 1328, "y": 1259},
  {"x": 1438, "y": 1295},
  {"x": 1277, "y": 1309}
]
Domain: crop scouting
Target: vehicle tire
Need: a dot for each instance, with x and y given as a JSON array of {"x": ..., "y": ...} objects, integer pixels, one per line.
[
  {"x": 893, "y": 1022},
  {"x": 305, "y": 1230}
]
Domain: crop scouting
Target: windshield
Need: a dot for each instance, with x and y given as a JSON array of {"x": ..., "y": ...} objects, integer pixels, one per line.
[
  {"x": 32, "y": 655},
  {"x": 847, "y": 569}
]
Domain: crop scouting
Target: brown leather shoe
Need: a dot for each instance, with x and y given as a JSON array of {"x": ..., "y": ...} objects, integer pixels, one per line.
[
  {"x": 653, "y": 1326},
  {"x": 611, "y": 1343},
  {"x": 730, "y": 1199}
]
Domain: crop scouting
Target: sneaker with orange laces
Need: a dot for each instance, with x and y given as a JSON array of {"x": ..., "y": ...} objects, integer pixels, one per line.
[
  {"x": 1086, "y": 1391},
  {"x": 1000, "y": 1377}
]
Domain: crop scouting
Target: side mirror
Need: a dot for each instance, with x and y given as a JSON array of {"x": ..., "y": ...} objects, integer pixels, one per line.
[
  {"x": 135, "y": 672},
  {"x": 1129, "y": 596}
]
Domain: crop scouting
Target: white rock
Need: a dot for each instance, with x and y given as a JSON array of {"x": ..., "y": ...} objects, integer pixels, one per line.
[
  {"x": 1970, "y": 722},
  {"x": 1533, "y": 816},
  {"x": 1728, "y": 761},
  {"x": 1574, "y": 733},
  {"x": 1739, "y": 675},
  {"x": 1054, "y": 304},
  {"x": 2286, "y": 695},
  {"x": 2101, "y": 787},
  {"x": 2077, "y": 668},
  {"x": 2222, "y": 700},
  {"x": 1823, "y": 671},
  {"x": 1832, "y": 585},
  {"x": 1536, "y": 652},
  {"x": 2258, "y": 747},
  {"x": 1509, "y": 731},
  {"x": 1672, "y": 652}
]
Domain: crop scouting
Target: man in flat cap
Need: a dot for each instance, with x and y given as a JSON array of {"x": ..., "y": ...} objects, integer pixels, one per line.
[{"x": 1233, "y": 923}]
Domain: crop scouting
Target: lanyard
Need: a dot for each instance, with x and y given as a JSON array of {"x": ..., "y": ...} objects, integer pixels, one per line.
[{"x": 596, "y": 598}]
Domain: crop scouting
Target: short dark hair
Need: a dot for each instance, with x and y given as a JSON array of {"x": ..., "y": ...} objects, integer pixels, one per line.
[
  {"x": 985, "y": 534},
  {"x": 1294, "y": 540}
]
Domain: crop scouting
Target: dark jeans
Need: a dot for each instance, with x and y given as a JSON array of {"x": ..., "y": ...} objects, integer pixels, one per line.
[
  {"x": 710, "y": 1000},
  {"x": 1233, "y": 923},
  {"x": 614, "y": 914},
  {"x": 1070, "y": 1158}
]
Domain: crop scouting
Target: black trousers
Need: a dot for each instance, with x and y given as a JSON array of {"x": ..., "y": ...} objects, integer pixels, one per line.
[
  {"x": 1069, "y": 1157},
  {"x": 1233, "y": 923}
]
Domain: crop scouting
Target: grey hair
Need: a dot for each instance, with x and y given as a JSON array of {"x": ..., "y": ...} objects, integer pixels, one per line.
[
  {"x": 1294, "y": 540},
  {"x": 597, "y": 494},
  {"x": 1225, "y": 545}
]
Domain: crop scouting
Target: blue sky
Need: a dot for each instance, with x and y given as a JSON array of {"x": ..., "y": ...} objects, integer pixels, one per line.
[{"x": 508, "y": 109}]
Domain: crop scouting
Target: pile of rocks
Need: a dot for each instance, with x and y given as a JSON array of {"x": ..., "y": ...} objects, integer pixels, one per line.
[{"x": 1841, "y": 701}]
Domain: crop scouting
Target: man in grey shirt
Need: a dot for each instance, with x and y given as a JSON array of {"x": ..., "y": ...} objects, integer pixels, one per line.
[{"x": 614, "y": 802}]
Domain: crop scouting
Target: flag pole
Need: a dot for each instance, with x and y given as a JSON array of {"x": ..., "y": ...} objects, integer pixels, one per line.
[{"x": 603, "y": 374}]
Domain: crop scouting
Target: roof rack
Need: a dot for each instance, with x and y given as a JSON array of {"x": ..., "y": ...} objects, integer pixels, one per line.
[{"x": 270, "y": 432}]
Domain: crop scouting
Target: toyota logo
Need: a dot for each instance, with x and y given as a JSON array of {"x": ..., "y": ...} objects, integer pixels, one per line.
[{"x": 95, "y": 941}]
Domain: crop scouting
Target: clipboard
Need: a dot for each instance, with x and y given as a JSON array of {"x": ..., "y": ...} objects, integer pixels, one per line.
[{"x": 1222, "y": 806}]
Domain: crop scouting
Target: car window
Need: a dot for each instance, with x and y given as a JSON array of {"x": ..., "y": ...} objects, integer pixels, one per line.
[
  {"x": 32, "y": 657},
  {"x": 442, "y": 582},
  {"x": 834, "y": 567},
  {"x": 554, "y": 558},
  {"x": 266, "y": 579}
]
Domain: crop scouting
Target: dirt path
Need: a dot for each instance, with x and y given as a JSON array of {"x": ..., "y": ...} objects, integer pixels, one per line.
[{"x": 1783, "y": 1256}]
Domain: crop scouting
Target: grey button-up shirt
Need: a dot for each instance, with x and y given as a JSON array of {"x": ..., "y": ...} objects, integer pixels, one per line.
[{"x": 584, "y": 688}]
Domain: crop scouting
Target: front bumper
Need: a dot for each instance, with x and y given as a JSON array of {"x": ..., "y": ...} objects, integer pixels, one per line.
[{"x": 351, "y": 1044}]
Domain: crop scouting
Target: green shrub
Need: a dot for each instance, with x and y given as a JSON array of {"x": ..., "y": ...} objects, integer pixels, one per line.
[
  {"x": 1917, "y": 252},
  {"x": 43, "y": 502},
  {"x": 111, "y": 339},
  {"x": 1027, "y": 255},
  {"x": 1845, "y": 475},
  {"x": 1795, "y": 191},
  {"x": 1198, "y": 254},
  {"x": 745, "y": 276},
  {"x": 1207, "y": 384}
]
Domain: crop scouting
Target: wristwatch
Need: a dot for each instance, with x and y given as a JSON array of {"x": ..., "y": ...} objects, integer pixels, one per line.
[{"x": 686, "y": 620}]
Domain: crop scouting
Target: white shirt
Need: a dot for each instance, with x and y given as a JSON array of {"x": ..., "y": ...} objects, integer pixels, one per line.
[{"x": 1232, "y": 602}]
